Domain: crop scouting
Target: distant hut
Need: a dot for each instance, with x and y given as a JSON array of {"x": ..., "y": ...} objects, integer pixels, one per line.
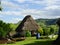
[{"x": 28, "y": 23}]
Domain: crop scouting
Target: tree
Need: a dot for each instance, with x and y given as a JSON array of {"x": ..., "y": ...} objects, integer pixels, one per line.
[
  {"x": 46, "y": 31},
  {"x": 4, "y": 29},
  {"x": 53, "y": 29}
]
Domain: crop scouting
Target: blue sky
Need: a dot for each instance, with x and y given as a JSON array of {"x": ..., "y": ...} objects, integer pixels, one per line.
[{"x": 15, "y": 10}]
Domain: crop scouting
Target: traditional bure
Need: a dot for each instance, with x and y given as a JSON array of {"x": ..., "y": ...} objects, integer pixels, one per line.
[{"x": 28, "y": 23}]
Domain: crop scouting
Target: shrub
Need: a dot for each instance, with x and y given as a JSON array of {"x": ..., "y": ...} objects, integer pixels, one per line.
[{"x": 28, "y": 33}]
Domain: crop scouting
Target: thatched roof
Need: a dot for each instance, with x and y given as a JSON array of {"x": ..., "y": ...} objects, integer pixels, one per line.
[{"x": 28, "y": 23}]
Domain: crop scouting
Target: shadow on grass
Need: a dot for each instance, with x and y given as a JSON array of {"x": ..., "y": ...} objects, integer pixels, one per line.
[{"x": 41, "y": 43}]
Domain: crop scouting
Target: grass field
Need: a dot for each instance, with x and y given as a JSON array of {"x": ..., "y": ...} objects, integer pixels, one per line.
[{"x": 32, "y": 41}]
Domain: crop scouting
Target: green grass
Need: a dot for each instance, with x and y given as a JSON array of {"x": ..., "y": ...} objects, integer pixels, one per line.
[{"x": 32, "y": 41}]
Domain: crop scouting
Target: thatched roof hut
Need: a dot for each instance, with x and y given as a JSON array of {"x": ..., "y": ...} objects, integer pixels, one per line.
[{"x": 28, "y": 23}]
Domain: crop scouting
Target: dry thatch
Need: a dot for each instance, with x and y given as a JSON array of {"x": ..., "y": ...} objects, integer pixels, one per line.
[{"x": 28, "y": 23}]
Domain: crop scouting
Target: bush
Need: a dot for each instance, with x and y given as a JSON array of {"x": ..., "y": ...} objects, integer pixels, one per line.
[{"x": 28, "y": 33}]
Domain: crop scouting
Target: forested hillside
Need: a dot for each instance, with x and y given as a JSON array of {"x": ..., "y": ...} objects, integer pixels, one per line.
[
  {"x": 48, "y": 26},
  {"x": 47, "y": 21}
]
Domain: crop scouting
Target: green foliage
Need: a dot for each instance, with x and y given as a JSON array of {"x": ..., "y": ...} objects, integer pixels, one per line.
[
  {"x": 54, "y": 29},
  {"x": 51, "y": 29},
  {"x": 1, "y": 31},
  {"x": 48, "y": 25},
  {"x": 28, "y": 33},
  {"x": 4, "y": 29},
  {"x": 40, "y": 30},
  {"x": 47, "y": 21},
  {"x": 13, "y": 26},
  {"x": 46, "y": 31}
]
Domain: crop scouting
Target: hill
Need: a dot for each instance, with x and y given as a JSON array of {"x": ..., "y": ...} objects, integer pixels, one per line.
[{"x": 47, "y": 21}]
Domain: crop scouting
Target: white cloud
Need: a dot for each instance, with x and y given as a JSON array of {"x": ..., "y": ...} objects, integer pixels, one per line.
[
  {"x": 10, "y": 5},
  {"x": 10, "y": 13},
  {"x": 31, "y": 12},
  {"x": 53, "y": 7},
  {"x": 14, "y": 20},
  {"x": 23, "y": 12},
  {"x": 22, "y": 1},
  {"x": 46, "y": 2},
  {"x": 50, "y": 2},
  {"x": 34, "y": 12}
]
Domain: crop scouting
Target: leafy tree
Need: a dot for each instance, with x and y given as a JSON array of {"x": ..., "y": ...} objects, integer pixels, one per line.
[
  {"x": 46, "y": 31},
  {"x": 54, "y": 29},
  {"x": 4, "y": 29}
]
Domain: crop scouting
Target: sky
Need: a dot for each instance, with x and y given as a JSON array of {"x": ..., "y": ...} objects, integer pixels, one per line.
[{"x": 15, "y": 10}]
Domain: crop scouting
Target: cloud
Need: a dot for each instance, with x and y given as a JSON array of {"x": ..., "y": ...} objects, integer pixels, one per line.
[
  {"x": 10, "y": 13},
  {"x": 18, "y": 8},
  {"x": 10, "y": 5},
  {"x": 14, "y": 20},
  {"x": 46, "y": 2},
  {"x": 22, "y": 1},
  {"x": 23, "y": 12},
  {"x": 49, "y": 11},
  {"x": 53, "y": 7}
]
